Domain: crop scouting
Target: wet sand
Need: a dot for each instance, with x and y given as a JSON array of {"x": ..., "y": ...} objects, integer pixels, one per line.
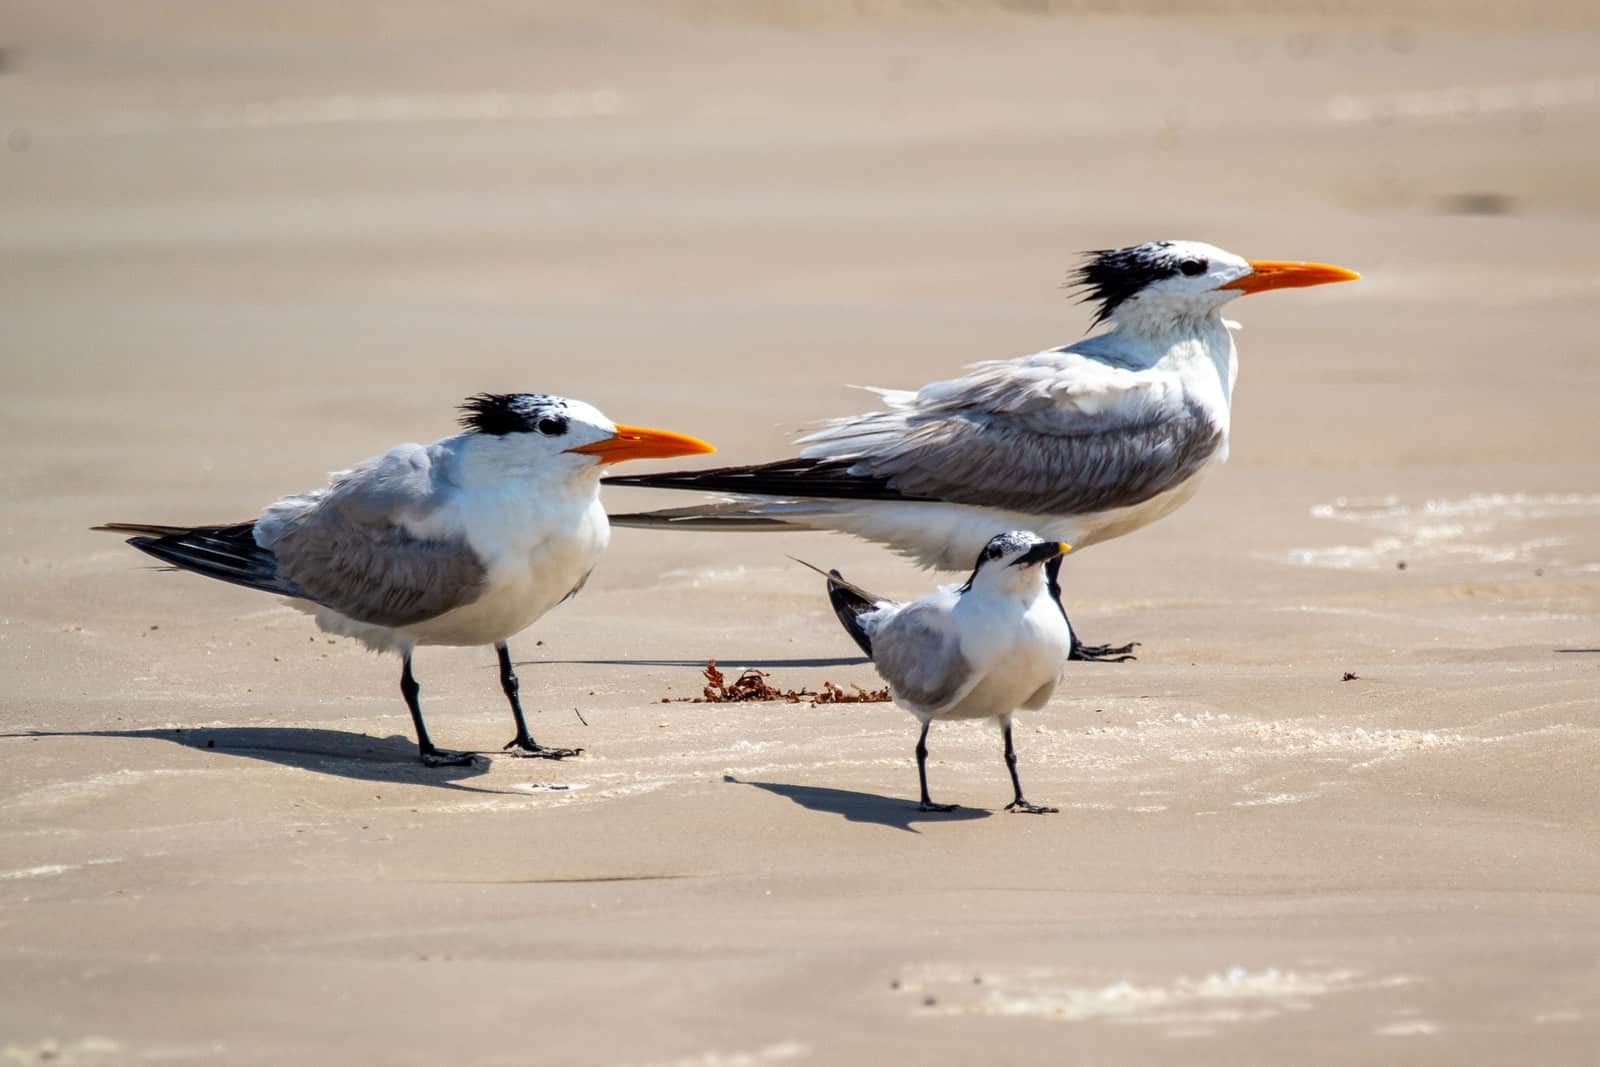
[{"x": 238, "y": 250}]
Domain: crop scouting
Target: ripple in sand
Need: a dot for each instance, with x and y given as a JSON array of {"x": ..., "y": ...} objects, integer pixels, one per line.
[
  {"x": 779, "y": 1053},
  {"x": 1191, "y": 1006},
  {"x": 1479, "y": 528}
]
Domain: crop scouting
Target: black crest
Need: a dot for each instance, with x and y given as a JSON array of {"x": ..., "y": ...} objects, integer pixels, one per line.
[
  {"x": 1113, "y": 275},
  {"x": 498, "y": 414}
]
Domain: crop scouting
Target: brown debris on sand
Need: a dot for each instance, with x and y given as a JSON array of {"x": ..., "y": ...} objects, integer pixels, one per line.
[
  {"x": 832, "y": 694},
  {"x": 752, "y": 684}
]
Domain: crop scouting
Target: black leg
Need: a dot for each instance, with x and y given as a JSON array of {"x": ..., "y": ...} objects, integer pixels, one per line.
[
  {"x": 922, "y": 773},
  {"x": 1081, "y": 651},
  {"x": 1020, "y": 804},
  {"x": 430, "y": 756},
  {"x": 523, "y": 744}
]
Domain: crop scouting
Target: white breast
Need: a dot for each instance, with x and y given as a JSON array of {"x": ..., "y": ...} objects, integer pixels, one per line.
[
  {"x": 1019, "y": 657},
  {"x": 536, "y": 553}
]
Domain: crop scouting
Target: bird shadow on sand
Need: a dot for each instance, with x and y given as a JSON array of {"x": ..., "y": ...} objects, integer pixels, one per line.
[
  {"x": 761, "y": 664},
  {"x": 895, "y": 812},
  {"x": 345, "y": 755}
]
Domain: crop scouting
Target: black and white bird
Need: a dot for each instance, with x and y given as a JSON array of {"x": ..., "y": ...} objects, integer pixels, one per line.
[
  {"x": 976, "y": 651},
  {"x": 1080, "y": 443},
  {"x": 465, "y": 541}
]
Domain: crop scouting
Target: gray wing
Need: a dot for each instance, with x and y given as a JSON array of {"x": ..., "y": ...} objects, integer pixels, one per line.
[
  {"x": 349, "y": 546},
  {"x": 919, "y": 654},
  {"x": 1057, "y": 434}
]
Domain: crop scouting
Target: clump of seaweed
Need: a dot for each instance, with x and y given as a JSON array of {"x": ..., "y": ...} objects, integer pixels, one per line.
[
  {"x": 752, "y": 684},
  {"x": 832, "y": 694}
]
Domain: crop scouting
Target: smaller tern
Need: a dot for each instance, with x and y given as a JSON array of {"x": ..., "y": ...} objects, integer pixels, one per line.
[
  {"x": 466, "y": 541},
  {"x": 976, "y": 651}
]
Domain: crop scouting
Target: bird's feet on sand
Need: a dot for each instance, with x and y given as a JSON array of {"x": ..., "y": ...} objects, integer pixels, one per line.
[
  {"x": 928, "y": 805},
  {"x": 1103, "y": 653},
  {"x": 1023, "y": 807},
  {"x": 443, "y": 757},
  {"x": 527, "y": 748}
]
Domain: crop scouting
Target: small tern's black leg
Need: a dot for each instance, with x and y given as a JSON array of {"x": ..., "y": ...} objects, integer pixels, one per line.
[
  {"x": 426, "y": 752},
  {"x": 1020, "y": 804},
  {"x": 1081, "y": 651},
  {"x": 922, "y": 773},
  {"x": 523, "y": 744}
]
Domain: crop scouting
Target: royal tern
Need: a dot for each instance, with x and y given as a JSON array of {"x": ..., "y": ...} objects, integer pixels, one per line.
[
  {"x": 462, "y": 542},
  {"x": 978, "y": 651},
  {"x": 1080, "y": 443}
]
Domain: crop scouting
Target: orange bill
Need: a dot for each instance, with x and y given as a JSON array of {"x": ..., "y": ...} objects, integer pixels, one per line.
[
  {"x": 641, "y": 442},
  {"x": 1279, "y": 274}
]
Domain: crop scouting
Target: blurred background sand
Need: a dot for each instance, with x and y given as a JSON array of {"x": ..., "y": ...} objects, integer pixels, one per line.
[{"x": 242, "y": 244}]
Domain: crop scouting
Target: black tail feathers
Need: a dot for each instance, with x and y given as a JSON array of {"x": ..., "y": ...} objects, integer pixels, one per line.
[
  {"x": 226, "y": 553},
  {"x": 849, "y": 605}
]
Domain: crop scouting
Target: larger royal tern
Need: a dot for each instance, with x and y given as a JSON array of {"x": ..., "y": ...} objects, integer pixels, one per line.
[
  {"x": 465, "y": 541},
  {"x": 1080, "y": 443},
  {"x": 978, "y": 651}
]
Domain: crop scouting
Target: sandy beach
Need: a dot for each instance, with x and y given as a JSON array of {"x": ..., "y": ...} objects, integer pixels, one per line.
[{"x": 1345, "y": 807}]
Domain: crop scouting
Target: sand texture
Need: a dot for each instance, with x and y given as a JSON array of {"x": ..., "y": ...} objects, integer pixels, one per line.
[{"x": 242, "y": 245}]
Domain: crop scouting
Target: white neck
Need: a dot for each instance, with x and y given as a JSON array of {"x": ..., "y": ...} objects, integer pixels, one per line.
[
  {"x": 1191, "y": 340},
  {"x": 1002, "y": 581},
  {"x": 1168, "y": 317},
  {"x": 497, "y": 466}
]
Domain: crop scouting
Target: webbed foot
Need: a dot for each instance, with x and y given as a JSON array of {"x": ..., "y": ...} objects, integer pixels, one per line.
[
  {"x": 1103, "y": 653},
  {"x": 442, "y": 757},
  {"x": 527, "y": 748}
]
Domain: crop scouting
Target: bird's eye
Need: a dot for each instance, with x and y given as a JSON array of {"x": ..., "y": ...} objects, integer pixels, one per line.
[
  {"x": 1192, "y": 267},
  {"x": 552, "y": 426}
]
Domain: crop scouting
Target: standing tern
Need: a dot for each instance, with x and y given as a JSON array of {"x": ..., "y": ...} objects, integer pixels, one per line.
[
  {"x": 1081, "y": 443},
  {"x": 977, "y": 651},
  {"x": 462, "y": 542}
]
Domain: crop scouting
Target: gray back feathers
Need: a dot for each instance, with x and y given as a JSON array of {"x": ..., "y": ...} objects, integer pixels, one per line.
[
  {"x": 346, "y": 547},
  {"x": 1010, "y": 435},
  {"x": 918, "y": 653}
]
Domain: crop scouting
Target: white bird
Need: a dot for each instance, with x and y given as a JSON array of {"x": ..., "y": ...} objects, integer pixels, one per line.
[
  {"x": 465, "y": 541},
  {"x": 1081, "y": 443},
  {"x": 977, "y": 651}
]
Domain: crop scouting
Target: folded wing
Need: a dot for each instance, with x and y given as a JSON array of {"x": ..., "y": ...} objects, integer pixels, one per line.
[
  {"x": 353, "y": 546},
  {"x": 1051, "y": 434},
  {"x": 350, "y": 547},
  {"x": 918, "y": 652}
]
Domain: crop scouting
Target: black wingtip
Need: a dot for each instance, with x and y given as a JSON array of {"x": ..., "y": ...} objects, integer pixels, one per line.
[
  {"x": 790, "y": 478},
  {"x": 849, "y": 605},
  {"x": 226, "y": 553}
]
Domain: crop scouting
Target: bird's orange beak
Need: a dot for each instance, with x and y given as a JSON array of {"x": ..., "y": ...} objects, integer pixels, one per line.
[
  {"x": 641, "y": 442},
  {"x": 1279, "y": 274}
]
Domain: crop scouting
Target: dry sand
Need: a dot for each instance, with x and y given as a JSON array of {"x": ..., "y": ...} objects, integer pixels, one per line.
[{"x": 243, "y": 244}]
